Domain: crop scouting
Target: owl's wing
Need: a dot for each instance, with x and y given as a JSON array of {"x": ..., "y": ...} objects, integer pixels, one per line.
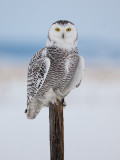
[
  {"x": 79, "y": 71},
  {"x": 71, "y": 65},
  {"x": 37, "y": 72},
  {"x": 73, "y": 75}
]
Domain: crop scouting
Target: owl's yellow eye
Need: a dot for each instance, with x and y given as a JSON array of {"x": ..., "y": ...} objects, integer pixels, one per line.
[
  {"x": 57, "y": 29},
  {"x": 68, "y": 29}
]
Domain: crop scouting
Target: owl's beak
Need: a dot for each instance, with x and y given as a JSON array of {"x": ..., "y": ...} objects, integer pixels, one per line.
[{"x": 63, "y": 35}]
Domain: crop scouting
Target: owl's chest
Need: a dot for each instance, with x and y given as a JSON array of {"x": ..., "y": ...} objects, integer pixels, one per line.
[{"x": 58, "y": 65}]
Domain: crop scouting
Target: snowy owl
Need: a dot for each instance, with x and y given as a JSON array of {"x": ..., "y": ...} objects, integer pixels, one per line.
[{"x": 54, "y": 70}]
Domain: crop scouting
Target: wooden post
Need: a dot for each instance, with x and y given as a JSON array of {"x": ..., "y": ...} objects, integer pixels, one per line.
[{"x": 56, "y": 132}]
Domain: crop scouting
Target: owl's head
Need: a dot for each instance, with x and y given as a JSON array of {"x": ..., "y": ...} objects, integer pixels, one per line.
[{"x": 62, "y": 34}]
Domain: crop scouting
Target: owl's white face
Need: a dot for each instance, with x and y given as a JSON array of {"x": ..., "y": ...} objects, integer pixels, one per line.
[{"x": 63, "y": 35}]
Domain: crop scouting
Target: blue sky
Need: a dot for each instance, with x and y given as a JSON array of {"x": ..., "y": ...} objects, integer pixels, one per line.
[{"x": 23, "y": 19}]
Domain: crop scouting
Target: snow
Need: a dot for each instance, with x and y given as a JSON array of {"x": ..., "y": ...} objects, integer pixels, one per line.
[{"x": 91, "y": 122}]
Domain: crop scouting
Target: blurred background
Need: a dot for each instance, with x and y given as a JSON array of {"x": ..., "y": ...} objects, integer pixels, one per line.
[{"x": 92, "y": 115}]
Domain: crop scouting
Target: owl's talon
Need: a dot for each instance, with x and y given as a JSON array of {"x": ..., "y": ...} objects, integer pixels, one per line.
[
  {"x": 63, "y": 102},
  {"x": 26, "y": 111},
  {"x": 55, "y": 103}
]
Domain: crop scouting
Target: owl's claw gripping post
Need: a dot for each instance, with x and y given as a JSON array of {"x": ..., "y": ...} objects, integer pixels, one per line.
[
  {"x": 26, "y": 111},
  {"x": 63, "y": 102},
  {"x": 55, "y": 104}
]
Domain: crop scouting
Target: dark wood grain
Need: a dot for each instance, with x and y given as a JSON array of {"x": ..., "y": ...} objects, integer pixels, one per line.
[{"x": 56, "y": 132}]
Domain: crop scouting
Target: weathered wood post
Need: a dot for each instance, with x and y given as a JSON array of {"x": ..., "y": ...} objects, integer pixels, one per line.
[{"x": 56, "y": 132}]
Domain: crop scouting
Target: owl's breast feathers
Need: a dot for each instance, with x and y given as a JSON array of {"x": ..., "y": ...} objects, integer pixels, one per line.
[{"x": 63, "y": 65}]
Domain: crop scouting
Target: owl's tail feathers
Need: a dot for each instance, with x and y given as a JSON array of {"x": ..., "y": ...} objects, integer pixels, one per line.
[{"x": 33, "y": 109}]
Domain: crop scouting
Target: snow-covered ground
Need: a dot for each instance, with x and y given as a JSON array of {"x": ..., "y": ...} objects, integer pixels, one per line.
[{"x": 91, "y": 119}]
